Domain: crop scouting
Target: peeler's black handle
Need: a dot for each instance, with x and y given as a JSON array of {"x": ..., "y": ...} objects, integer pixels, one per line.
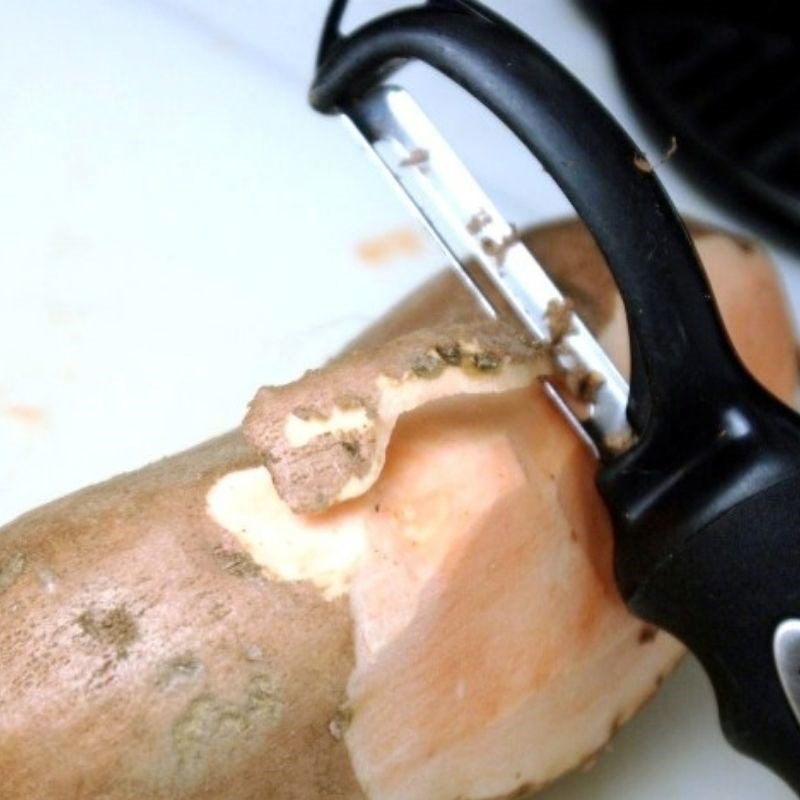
[
  {"x": 732, "y": 594},
  {"x": 706, "y": 504},
  {"x": 706, "y": 521}
]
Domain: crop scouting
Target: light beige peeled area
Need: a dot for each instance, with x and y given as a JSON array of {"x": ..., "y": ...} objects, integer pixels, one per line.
[
  {"x": 325, "y": 440},
  {"x": 439, "y": 635}
]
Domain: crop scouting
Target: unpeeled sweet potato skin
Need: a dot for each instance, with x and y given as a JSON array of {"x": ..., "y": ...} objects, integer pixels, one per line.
[{"x": 144, "y": 654}]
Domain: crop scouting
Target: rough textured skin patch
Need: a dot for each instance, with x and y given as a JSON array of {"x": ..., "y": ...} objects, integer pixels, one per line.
[
  {"x": 212, "y": 724},
  {"x": 324, "y": 437},
  {"x": 10, "y": 569}
]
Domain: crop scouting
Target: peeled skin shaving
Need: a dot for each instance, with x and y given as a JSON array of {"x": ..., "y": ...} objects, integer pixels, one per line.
[
  {"x": 394, "y": 582},
  {"x": 324, "y": 438}
]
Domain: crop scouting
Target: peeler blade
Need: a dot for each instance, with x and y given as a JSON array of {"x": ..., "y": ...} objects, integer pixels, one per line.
[{"x": 494, "y": 264}]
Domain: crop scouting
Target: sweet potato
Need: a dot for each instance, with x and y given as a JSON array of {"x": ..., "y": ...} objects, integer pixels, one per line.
[{"x": 426, "y": 611}]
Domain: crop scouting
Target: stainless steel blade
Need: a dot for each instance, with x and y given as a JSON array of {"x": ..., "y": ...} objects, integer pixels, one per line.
[{"x": 486, "y": 250}]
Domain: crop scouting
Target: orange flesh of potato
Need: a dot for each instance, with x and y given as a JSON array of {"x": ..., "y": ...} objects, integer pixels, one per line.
[{"x": 450, "y": 630}]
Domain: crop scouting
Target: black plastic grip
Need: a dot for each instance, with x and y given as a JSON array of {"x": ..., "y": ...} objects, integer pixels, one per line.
[
  {"x": 728, "y": 616},
  {"x": 708, "y": 548}
]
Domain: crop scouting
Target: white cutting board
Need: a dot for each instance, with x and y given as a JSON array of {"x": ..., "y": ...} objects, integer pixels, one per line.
[{"x": 177, "y": 227}]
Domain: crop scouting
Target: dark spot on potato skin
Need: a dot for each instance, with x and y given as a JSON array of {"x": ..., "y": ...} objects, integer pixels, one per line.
[
  {"x": 351, "y": 448},
  {"x": 341, "y": 722},
  {"x": 427, "y": 365},
  {"x": 647, "y": 634},
  {"x": 450, "y": 353},
  {"x": 115, "y": 628},
  {"x": 236, "y": 563},
  {"x": 485, "y": 362},
  {"x": 218, "y": 611}
]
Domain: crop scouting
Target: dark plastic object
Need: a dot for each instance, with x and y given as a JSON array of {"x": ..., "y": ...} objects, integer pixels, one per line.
[
  {"x": 706, "y": 504},
  {"x": 724, "y": 79}
]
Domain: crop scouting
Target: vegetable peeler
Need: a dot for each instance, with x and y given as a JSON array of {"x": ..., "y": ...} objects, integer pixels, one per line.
[{"x": 699, "y": 466}]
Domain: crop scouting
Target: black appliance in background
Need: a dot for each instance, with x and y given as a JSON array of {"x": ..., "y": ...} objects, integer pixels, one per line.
[{"x": 724, "y": 80}]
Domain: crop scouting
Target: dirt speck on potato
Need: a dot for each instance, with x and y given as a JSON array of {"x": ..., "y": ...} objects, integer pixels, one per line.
[
  {"x": 11, "y": 569},
  {"x": 341, "y": 722},
  {"x": 218, "y": 611},
  {"x": 115, "y": 628},
  {"x": 559, "y": 316},
  {"x": 418, "y": 157},
  {"x": 450, "y": 353},
  {"x": 236, "y": 563},
  {"x": 525, "y": 791},
  {"x": 485, "y": 362},
  {"x": 584, "y": 384},
  {"x": 253, "y": 653},
  {"x": 479, "y": 221},
  {"x": 647, "y": 634},
  {"x": 351, "y": 447},
  {"x": 427, "y": 365},
  {"x": 498, "y": 250}
]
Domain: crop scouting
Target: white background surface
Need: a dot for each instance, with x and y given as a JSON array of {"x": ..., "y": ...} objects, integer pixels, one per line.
[{"x": 177, "y": 228}]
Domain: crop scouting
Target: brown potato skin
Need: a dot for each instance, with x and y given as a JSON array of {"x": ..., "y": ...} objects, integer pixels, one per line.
[
  {"x": 142, "y": 655},
  {"x": 161, "y": 664}
]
